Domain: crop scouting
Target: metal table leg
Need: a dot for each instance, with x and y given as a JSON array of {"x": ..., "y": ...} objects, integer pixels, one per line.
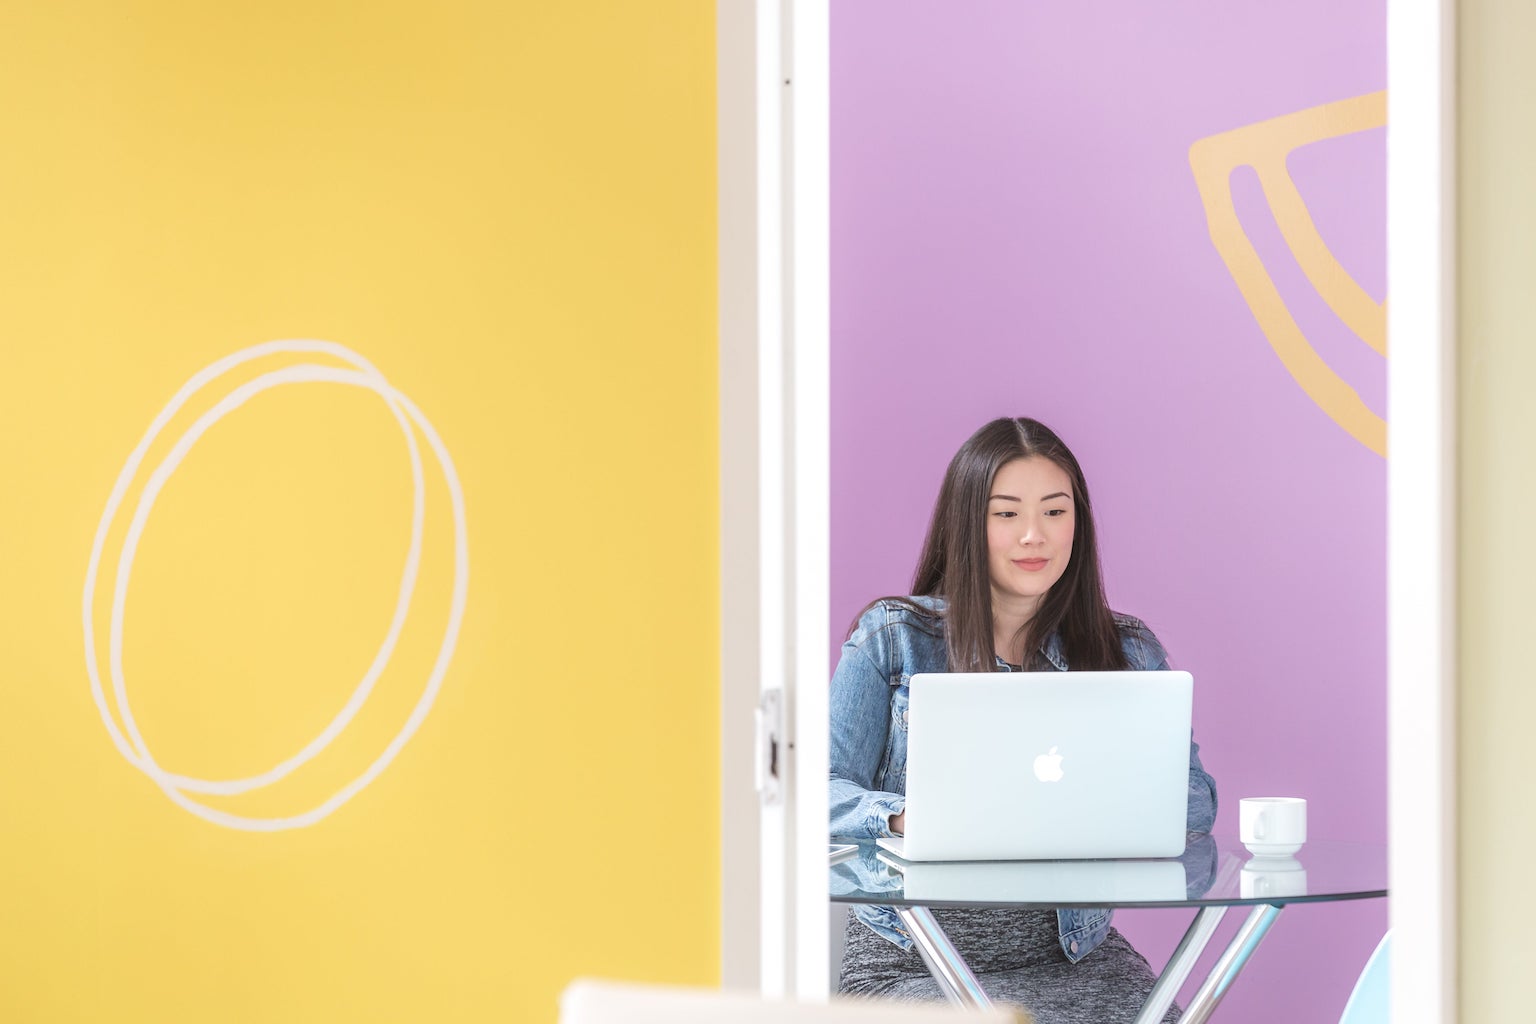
[
  {"x": 1180, "y": 964},
  {"x": 1232, "y": 961},
  {"x": 944, "y": 963},
  {"x": 960, "y": 986}
]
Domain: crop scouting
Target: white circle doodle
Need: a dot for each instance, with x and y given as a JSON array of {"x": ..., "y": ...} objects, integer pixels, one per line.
[{"x": 132, "y": 746}]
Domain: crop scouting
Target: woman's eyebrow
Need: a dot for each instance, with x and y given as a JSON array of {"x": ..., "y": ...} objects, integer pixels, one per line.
[{"x": 1009, "y": 497}]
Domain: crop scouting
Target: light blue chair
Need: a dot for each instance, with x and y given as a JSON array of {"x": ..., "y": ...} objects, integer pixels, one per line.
[{"x": 1370, "y": 1002}]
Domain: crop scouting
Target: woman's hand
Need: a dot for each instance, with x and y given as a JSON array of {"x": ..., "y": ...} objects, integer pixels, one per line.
[{"x": 899, "y": 823}]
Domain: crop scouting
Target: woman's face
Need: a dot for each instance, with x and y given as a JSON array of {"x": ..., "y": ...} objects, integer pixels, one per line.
[{"x": 1030, "y": 521}]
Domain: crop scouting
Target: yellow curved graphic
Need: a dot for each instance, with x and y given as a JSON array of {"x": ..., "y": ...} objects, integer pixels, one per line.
[{"x": 1264, "y": 146}]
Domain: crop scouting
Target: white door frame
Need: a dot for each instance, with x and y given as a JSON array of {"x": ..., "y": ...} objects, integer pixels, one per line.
[
  {"x": 774, "y": 102},
  {"x": 736, "y": 145},
  {"x": 1421, "y": 523},
  {"x": 775, "y": 488}
]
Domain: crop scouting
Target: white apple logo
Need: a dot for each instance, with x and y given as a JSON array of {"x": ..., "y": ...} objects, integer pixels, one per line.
[{"x": 1048, "y": 766}]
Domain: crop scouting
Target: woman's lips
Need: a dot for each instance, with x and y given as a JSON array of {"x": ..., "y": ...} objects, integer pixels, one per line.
[{"x": 1031, "y": 564}]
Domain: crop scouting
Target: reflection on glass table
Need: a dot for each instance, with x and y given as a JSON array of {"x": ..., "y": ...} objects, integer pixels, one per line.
[{"x": 1211, "y": 875}]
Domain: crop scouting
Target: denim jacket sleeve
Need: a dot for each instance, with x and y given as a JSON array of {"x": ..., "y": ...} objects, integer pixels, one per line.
[
  {"x": 860, "y": 705},
  {"x": 1082, "y": 930},
  {"x": 1145, "y": 652}
]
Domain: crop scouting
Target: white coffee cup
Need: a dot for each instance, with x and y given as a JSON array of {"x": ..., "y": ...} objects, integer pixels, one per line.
[
  {"x": 1272, "y": 826},
  {"x": 1273, "y": 877}
]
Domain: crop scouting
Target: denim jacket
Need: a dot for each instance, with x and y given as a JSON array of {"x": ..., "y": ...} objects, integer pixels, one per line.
[{"x": 868, "y": 705}]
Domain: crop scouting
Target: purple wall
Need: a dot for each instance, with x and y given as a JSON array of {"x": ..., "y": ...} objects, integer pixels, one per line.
[{"x": 1016, "y": 231}]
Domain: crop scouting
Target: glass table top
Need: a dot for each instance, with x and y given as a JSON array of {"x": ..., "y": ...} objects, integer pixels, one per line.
[{"x": 1212, "y": 871}]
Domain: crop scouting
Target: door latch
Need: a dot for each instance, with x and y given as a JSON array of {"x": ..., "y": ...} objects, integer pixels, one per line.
[{"x": 769, "y": 773}]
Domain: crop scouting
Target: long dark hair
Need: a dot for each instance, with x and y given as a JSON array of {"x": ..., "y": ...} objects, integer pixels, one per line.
[{"x": 953, "y": 565}]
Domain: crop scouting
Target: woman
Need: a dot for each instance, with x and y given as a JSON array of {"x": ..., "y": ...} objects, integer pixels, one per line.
[{"x": 1008, "y": 580}]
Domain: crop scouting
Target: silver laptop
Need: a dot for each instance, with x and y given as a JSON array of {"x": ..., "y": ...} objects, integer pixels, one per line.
[{"x": 1046, "y": 766}]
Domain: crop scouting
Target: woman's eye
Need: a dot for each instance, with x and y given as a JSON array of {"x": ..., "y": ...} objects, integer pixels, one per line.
[
  {"x": 1005, "y": 514},
  {"x": 1054, "y": 512}
]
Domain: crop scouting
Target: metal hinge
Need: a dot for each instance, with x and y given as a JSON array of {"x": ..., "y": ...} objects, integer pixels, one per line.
[{"x": 769, "y": 773}]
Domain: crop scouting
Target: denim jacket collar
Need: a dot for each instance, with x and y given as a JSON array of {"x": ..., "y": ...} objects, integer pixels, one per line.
[{"x": 1052, "y": 649}]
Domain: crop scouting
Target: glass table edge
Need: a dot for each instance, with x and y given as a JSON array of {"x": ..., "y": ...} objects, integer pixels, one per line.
[{"x": 885, "y": 900}]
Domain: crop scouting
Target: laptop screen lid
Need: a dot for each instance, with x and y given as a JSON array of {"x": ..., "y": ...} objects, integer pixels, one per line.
[{"x": 1046, "y": 765}]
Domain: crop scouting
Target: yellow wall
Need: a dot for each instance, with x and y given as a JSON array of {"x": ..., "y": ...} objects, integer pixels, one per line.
[
  {"x": 509, "y": 208},
  {"x": 1497, "y": 419}
]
